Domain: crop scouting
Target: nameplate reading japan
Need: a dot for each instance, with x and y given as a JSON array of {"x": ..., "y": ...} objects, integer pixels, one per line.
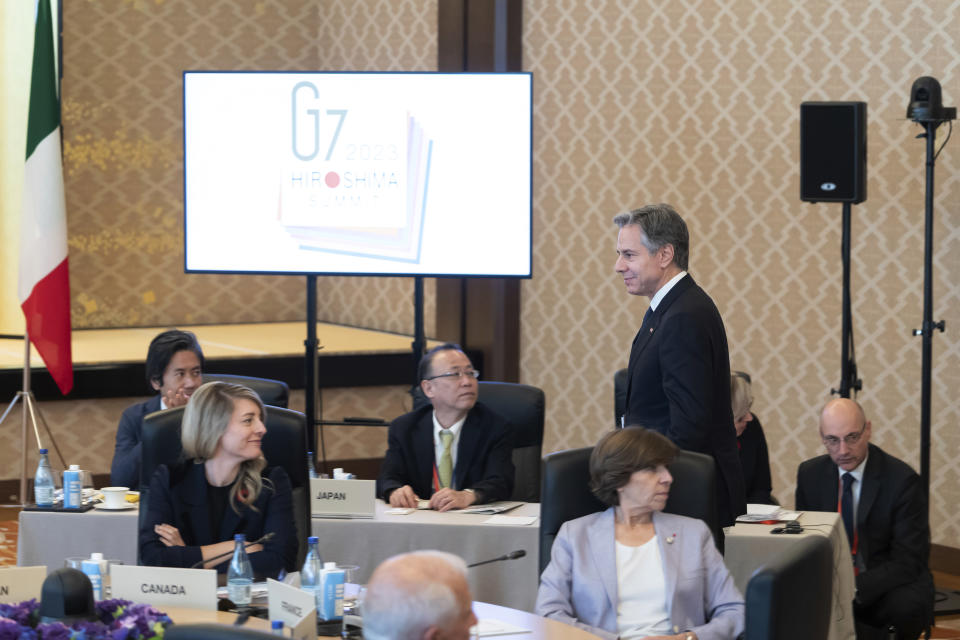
[
  {"x": 21, "y": 583},
  {"x": 295, "y": 607},
  {"x": 163, "y": 586},
  {"x": 342, "y": 498}
]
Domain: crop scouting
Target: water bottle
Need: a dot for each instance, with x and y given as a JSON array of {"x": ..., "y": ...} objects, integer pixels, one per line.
[
  {"x": 43, "y": 482},
  {"x": 240, "y": 573},
  {"x": 311, "y": 465},
  {"x": 72, "y": 487},
  {"x": 310, "y": 574},
  {"x": 276, "y": 627}
]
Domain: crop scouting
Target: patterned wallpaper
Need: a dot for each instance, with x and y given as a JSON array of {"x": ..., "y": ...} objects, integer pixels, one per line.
[
  {"x": 635, "y": 101},
  {"x": 697, "y": 104},
  {"x": 123, "y": 150}
]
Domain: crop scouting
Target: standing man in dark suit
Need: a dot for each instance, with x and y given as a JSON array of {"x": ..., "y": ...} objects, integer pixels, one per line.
[
  {"x": 174, "y": 370},
  {"x": 455, "y": 451},
  {"x": 885, "y": 514},
  {"x": 678, "y": 378}
]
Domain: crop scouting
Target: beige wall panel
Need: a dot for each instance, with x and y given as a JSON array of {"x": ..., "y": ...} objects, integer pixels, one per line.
[{"x": 698, "y": 105}]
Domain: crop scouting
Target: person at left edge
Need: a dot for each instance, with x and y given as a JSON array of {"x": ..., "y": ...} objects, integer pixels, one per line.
[
  {"x": 479, "y": 456},
  {"x": 224, "y": 487},
  {"x": 174, "y": 370}
]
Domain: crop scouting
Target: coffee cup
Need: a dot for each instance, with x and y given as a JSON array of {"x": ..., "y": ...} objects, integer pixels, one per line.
[{"x": 115, "y": 497}]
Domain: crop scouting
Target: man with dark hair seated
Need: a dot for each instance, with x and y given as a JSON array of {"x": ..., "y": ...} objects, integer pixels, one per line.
[
  {"x": 455, "y": 451},
  {"x": 175, "y": 370}
]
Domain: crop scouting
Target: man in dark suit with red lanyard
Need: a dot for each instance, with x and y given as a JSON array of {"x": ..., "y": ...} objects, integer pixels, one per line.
[
  {"x": 884, "y": 512},
  {"x": 678, "y": 378},
  {"x": 454, "y": 451}
]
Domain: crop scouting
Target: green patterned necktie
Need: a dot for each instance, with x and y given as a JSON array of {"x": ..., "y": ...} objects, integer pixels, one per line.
[{"x": 445, "y": 469}]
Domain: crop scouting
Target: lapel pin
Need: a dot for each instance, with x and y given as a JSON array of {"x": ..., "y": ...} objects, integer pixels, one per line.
[{"x": 672, "y": 537}]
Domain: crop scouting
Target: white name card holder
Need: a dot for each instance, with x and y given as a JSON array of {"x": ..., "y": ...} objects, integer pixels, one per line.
[
  {"x": 342, "y": 498},
  {"x": 165, "y": 587},
  {"x": 21, "y": 583},
  {"x": 295, "y": 607}
]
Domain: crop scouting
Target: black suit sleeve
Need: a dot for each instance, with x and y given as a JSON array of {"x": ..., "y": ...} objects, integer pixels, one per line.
[
  {"x": 162, "y": 509},
  {"x": 276, "y": 505},
  {"x": 496, "y": 480},
  {"x": 393, "y": 469},
  {"x": 125, "y": 468},
  {"x": 803, "y": 501},
  {"x": 688, "y": 381},
  {"x": 903, "y": 538}
]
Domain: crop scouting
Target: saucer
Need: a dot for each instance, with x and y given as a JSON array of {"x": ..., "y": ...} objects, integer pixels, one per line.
[{"x": 102, "y": 507}]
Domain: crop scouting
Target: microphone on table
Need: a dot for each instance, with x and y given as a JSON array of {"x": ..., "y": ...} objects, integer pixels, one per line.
[
  {"x": 513, "y": 555},
  {"x": 264, "y": 538}
]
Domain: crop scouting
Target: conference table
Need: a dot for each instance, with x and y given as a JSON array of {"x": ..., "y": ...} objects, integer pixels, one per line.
[
  {"x": 47, "y": 538},
  {"x": 368, "y": 542},
  {"x": 748, "y": 546}
]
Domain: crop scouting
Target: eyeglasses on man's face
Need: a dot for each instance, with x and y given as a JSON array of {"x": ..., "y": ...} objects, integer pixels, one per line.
[
  {"x": 832, "y": 442},
  {"x": 466, "y": 373}
]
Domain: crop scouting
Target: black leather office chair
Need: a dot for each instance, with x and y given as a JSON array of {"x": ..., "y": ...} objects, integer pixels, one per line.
[
  {"x": 524, "y": 406},
  {"x": 274, "y": 393},
  {"x": 284, "y": 445},
  {"x": 789, "y": 597},
  {"x": 566, "y": 493},
  {"x": 619, "y": 395}
]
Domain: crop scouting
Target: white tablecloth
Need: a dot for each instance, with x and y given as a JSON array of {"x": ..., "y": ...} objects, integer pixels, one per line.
[
  {"x": 366, "y": 543},
  {"x": 748, "y": 546},
  {"x": 48, "y": 538}
]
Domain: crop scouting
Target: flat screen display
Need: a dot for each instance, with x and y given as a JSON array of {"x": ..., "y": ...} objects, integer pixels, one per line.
[{"x": 358, "y": 173}]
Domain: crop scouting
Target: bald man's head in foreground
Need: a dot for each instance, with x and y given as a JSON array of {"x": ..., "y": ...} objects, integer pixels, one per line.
[{"x": 421, "y": 595}]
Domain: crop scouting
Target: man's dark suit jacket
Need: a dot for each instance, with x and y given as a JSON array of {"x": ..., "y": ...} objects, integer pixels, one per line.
[
  {"x": 178, "y": 497},
  {"x": 125, "y": 469},
  {"x": 755, "y": 461},
  {"x": 892, "y": 529},
  {"x": 678, "y": 383},
  {"x": 484, "y": 455}
]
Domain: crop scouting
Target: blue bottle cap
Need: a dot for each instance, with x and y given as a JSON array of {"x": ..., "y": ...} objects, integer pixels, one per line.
[
  {"x": 43, "y": 451},
  {"x": 240, "y": 537},
  {"x": 312, "y": 540},
  {"x": 276, "y": 624}
]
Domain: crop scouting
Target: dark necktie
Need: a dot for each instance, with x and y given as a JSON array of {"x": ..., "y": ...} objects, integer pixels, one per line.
[{"x": 846, "y": 506}]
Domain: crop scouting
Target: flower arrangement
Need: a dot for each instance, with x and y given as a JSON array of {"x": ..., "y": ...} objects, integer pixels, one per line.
[{"x": 117, "y": 620}]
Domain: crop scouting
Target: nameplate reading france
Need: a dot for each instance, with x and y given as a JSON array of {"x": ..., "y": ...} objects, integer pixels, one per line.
[
  {"x": 295, "y": 607},
  {"x": 163, "y": 586},
  {"x": 342, "y": 498},
  {"x": 21, "y": 583}
]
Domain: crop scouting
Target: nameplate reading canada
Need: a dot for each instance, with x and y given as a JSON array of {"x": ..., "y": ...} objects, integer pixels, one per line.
[
  {"x": 163, "y": 586},
  {"x": 342, "y": 498},
  {"x": 21, "y": 583}
]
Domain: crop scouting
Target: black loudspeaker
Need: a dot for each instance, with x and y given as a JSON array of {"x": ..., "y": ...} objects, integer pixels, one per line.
[{"x": 833, "y": 151}]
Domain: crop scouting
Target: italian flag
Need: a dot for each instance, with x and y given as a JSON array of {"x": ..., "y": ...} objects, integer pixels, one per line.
[{"x": 44, "y": 284}]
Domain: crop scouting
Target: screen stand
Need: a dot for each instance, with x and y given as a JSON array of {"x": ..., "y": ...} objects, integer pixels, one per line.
[{"x": 310, "y": 391}]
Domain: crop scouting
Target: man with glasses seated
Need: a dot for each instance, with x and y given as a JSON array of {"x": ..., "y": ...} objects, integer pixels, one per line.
[
  {"x": 884, "y": 512},
  {"x": 454, "y": 451}
]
